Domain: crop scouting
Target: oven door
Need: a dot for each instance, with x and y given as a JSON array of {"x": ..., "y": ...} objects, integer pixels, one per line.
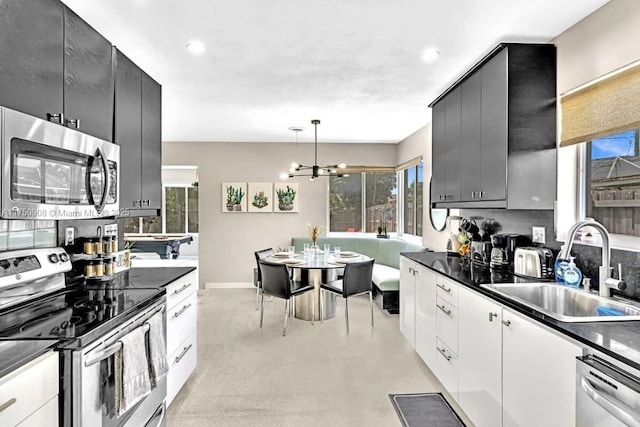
[
  {"x": 53, "y": 172},
  {"x": 90, "y": 402}
]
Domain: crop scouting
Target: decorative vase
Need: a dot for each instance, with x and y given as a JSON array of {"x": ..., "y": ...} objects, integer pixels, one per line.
[
  {"x": 229, "y": 207},
  {"x": 237, "y": 207},
  {"x": 284, "y": 207},
  {"x": 315, "y": 249}
]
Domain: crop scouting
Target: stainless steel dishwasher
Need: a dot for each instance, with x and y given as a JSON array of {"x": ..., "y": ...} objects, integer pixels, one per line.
[{"x": 607, "y": 395}]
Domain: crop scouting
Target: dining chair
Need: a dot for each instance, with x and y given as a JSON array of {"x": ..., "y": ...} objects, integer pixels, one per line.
[
  {"x": 356, "y": 281},
  {"x": 276, "y": 281},
  {"x": 261, "y": 254}
]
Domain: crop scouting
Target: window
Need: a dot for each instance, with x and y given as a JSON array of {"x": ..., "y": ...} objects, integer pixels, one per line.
[
  {"x": 349, "y": 211},
  {"x": 613, "y": 180},
  {"x": 412, "y": 192},
  {"x": 179, "y": 213}
]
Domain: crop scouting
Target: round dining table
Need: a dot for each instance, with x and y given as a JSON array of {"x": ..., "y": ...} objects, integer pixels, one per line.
[{"x": 316, "y": 269}]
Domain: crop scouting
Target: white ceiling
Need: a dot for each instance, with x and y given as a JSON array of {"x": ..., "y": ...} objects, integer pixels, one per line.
[{"x": 353, "y": 64}]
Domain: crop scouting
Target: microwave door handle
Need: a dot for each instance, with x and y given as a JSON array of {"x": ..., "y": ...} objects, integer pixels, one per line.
[{"x": 107, "y": 181}]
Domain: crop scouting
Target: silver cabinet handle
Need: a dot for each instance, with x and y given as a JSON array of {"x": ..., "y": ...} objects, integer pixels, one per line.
[
  {"x": 55, "y": 117},
  {"x": 184, "y": 352},
  {"x": 506, "y": 322},
  {"x": 182, "y": 310},
  {"x": 177, "y": 291},
  {"x": 492, "y": 315},
  {"x": 72, "y": 123},
  {"x": 613, "y": 406},
  {"x": 447, "y": 312},
  {"x": 448, "y": 290},
  {"x": 8, "y": 403},
  {"x": 444, "y": 353}
]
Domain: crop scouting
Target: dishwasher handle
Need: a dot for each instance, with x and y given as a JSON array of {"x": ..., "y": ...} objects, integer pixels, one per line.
[{"x": 616, "y": 408}]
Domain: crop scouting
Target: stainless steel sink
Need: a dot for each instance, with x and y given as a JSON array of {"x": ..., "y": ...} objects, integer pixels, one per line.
[{"x": 566, "y": 304}]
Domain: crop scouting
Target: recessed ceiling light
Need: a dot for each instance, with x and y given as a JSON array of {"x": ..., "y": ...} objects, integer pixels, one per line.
[
  {"x": 296, "y": 128},
  {"x": 430, "y": 54},
  {"x": 196, "y": 47}
]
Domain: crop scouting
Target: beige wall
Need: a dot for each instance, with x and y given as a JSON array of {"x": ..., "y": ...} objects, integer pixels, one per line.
[
  {"x": 227, "y": 240},
  {"x": 419, "y": 144},
  {"x": 602, "y": 42}
]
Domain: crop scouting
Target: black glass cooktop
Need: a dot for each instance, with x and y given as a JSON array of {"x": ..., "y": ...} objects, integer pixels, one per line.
[{"x": 77, "y": 313}]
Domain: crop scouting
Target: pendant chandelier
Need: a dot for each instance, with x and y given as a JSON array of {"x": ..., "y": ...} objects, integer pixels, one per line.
[{"x": 314, "y": 171}]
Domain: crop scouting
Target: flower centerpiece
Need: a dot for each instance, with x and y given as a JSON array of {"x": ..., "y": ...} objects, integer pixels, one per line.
[{"x": 314, "y": 232}]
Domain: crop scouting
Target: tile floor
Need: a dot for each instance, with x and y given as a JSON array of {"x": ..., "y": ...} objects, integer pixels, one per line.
[{"x": 315, "y": 376}]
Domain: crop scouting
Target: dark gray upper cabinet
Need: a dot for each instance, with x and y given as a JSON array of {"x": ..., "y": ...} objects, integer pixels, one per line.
[
  {"x": 31, "y": 58},
  {"x": 88, "y": 78},
  {"x": 137, "y": 129},
  {"x": 53, "y": 65},
  {"x": 505, "y": 124}
]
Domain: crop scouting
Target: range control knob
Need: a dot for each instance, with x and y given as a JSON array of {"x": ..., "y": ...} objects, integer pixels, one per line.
[
  {"x": 64, "y": 257},
  {"x": 54, "y": 258}
]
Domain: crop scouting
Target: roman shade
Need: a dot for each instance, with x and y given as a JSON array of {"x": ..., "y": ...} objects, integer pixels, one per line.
[{"x": 607, "y": 106}]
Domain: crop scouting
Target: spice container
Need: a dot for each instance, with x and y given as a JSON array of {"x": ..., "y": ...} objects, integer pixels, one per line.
[
  {"x": 89, "y": 246},
  {"x": 90, "y": 268},
  {"x": 107, "y": 244},
  {"x": 108, "y": 266},
  {"x": 99, "y": 267}
]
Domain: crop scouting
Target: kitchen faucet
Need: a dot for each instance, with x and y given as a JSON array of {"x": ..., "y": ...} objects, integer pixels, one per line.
[{"x": 606, "y": 282}]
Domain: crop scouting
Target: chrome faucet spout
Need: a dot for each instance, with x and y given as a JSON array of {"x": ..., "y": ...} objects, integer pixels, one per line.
[{"x": 605, "y": 269}]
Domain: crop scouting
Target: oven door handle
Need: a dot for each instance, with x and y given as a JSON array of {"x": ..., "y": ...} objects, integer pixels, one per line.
[{"x": 616, "y": 408}]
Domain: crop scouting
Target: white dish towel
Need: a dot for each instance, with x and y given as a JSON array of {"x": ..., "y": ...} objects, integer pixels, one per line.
[
  {"x": 158, "y": 365},
  {"x": 131, "y": 371}
]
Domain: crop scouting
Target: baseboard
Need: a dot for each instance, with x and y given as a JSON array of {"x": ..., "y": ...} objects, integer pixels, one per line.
[{"x": 228, "y": 285}]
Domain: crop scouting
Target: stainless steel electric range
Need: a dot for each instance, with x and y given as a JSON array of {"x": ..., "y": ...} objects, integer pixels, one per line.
[{"x": 87, "y": 321}]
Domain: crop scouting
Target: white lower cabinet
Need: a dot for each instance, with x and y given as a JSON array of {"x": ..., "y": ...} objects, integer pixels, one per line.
[
  {"x": 181, "y": 332},
  {"x": 480, "y": 362},
  {"x": 538, "y": 374},
  {"x": 29, "y": 395},
  {"x": 425, "y": 313},
  {"x": 502, "y": 368},
  {"x": 408, "y": 273}
]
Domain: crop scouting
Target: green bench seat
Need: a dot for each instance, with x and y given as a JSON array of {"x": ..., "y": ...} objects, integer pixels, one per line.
[{"x": 386, "y": 270}]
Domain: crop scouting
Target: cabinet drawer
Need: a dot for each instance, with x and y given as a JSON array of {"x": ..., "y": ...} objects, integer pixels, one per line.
[
  {"x": 28, "y": 388},
  {"x": 181, "y": 321},
  {"x": 182, "y": 362},
  {"x": 446, "y": 368},
  {"x": 181, "y": 288},
  {"x": 447, "y": 289},
  {"x": 447, "y": 323},
  {"x": 46, "y": 416}
]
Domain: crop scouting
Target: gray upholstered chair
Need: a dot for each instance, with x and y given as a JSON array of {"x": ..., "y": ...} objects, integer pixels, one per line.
[
  {"x": 356, "y": 281},
  {"x": 261, "y": 254},
  {"x": 276, "y": 281}
]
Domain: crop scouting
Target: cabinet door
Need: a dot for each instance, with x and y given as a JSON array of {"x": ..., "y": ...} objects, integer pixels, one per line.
[
  {"x": 538, "y": 375},
  {"x": 452, "y": 148},
  {"x": 88, "y": 78},
  {"x": 128, "y": 129},
  {"x": 470, "y": 146},
  {"x": 151, "y": 178},
  {"x": 407, "y": 300},
  {"x": 494, "y": 132},
  {"x": 480, "y": 358},
  {"x": 438, "y": 171},
  {"x": 31, "y": 56},
  {"x": 425, "y": 295}
]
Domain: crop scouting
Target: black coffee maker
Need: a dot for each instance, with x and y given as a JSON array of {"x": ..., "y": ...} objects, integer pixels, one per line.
[{"x": 503, "y": 249}]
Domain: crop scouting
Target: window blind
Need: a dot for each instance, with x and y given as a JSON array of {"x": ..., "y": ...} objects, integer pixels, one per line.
[{"x": 609, "y": 105}]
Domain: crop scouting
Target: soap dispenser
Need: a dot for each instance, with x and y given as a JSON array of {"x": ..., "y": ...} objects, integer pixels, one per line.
[{"x": 572, "y": 275}]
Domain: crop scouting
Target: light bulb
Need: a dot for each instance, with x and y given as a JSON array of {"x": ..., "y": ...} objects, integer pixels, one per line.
[
  {"x": 342, "y": 165},
  {"x": 311, "y": 178},
  {"x": 320, "y": 171},
  {"x": 196, "y": 47},
  {"x": 284, "y": 176},
  {"x": 333, "y": 171},
  {"x": 294, "y": 165},
  {"x": 292, "y": 170}
]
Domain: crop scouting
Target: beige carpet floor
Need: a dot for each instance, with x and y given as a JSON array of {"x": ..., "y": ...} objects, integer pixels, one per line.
[{"x": 315, "y": 376}]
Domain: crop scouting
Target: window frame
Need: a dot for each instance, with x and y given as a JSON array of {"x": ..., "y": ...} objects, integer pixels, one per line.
[
  {"x": 163, "y": 211},
  {"x": 401, "y": 199}
]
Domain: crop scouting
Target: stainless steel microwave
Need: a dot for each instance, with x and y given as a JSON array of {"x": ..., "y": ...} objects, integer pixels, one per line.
[{"x": 53, "y": 172}]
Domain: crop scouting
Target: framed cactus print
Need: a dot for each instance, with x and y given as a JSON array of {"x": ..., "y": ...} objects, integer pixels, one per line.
[
  {"x": 260, "y": 197},
  {"x": 234, "y": 197},
  {"x": 285, "y": 197}
]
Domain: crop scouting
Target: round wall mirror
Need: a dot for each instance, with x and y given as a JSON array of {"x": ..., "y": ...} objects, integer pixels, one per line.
[{"x": 438, "y": 216}]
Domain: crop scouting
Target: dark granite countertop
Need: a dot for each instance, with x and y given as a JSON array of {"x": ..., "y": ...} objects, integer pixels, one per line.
[
  {"x": 14, "y": 354},
  {"x": 620, "y": 340},
  {"x": 156, "y": 277}
]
